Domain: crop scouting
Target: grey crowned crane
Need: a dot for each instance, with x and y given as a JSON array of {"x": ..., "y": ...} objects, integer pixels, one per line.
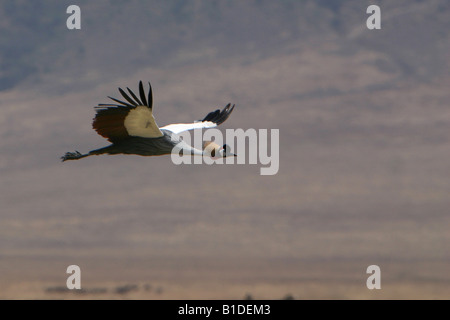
[{"x": 131, "y": 128}]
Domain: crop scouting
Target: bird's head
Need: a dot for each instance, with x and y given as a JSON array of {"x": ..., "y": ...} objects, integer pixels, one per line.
[
  {"x": 225, "y": 151},
  {"x": 215, "y": 151}
]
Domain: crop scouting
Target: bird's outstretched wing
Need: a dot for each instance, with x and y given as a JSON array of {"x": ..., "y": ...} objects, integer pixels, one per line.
[
  {"x": 132, "y": 117},
  {"x": 212, "y": 119}
]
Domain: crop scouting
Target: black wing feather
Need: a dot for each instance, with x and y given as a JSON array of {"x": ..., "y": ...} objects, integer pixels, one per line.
[
  {"x": 122, "y": 102},
  {"x": 217, "y": 116},
  {"x": 134, "y": 97},
  {"x": 142, "y": 94},
  {"x": 132, "y": 101},
  {"x": 150, "y": 96},
  {"x": 124, "y": 94}
]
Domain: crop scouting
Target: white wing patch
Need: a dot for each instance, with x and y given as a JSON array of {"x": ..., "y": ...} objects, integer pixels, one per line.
[
  {"x": 140, "y": 123},
  {"x": 212, "y": 119},
  {"x": 180, "y": 127}
]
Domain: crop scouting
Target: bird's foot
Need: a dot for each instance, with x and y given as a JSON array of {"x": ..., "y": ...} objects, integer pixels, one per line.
[{"x": 72, "y": 156}]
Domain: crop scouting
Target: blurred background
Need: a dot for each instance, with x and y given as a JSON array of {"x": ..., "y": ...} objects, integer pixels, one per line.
[{"x": 364, "y": 172}]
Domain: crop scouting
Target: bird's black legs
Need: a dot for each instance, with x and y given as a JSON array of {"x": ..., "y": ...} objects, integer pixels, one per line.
[
  {"x": 73, "y": 156},
  {"x": 112, "y": 149}
]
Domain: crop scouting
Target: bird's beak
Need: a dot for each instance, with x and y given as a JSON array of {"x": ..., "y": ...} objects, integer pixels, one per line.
[{"x": 227, "y": 155}]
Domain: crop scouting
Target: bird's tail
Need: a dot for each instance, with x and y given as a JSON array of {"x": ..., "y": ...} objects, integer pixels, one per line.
[{"x": 73, "y": 156}]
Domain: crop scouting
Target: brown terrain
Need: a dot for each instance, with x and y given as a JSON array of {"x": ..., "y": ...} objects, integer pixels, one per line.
[{"x": 364, "y": 176}]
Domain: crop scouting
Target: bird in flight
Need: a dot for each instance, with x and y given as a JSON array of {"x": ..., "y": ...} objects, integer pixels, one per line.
[{"x": 131, "y": 128}]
